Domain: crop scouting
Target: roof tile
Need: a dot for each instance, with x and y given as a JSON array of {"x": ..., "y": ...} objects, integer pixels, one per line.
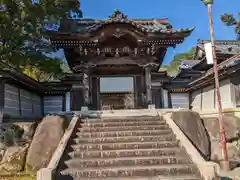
[{"x": 146, "y": 25}]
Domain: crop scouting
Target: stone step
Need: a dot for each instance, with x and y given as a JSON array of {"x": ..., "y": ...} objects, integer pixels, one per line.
[
  {"x": 127, "y": 153},
  {"x": 123, "y": 133},
  {"x": 124, "y": 119},
  {"x": 126, "y": 123},
  {"x": 134, "y": 139},
  {"x": 179, "y": 177},
  {"x": 128, "y": 171},
  {"x": 126, "y": 161},
  {"x": 125, "y": 145},
  {"x": 122, "y": 128}
]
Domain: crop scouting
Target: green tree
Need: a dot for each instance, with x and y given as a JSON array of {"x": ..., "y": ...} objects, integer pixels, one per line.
[
  {"x": 24, "y": 37},
  {"x": 231, "y": 20},
  {"x": 163, "y": 68},
  {"x": 173, "y": 67}
]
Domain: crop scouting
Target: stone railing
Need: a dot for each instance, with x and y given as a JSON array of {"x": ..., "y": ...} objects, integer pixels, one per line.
[
  {"x": 214, "y": 112},
  {"x": 129, "y": 112},
  {"x": 49, "y": 172},
  {"x": 208, "y": 170}
]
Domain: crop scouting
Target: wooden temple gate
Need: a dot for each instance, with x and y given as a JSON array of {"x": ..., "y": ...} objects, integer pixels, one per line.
[
  {"x": 98, "y": 99},
  {"x": 117, "y": 46}
]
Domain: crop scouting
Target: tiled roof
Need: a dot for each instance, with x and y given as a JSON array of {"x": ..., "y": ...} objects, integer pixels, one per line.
[
  {"x": 145, "y": 25},
  {"x": 188, "y": 64},
  {"x": 225, "y": 64},
  {"x": 223, "y": 46}
]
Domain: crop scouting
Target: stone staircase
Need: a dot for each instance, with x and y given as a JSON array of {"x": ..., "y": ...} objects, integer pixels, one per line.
[{"x": 126, "y": 148}]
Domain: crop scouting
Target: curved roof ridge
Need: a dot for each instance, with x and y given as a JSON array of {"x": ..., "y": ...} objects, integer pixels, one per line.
[{"x": 220, "y": 41}]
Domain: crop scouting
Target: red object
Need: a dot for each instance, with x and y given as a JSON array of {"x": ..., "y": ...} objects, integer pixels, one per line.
[{"x": 217, "y": 87}]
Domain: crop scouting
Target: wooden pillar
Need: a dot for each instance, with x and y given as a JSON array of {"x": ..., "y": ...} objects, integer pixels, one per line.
[
  {"x": 169, "y": 100},
  {"x": 64, "y": 102},
  {"x": 77, "y": 97},
  {"x": 190, "y": 100},
  {"x": 1, "y": 99},
  {"x": 148, "y": 84},
  {"x": 90, "y": 88},
  {"x": 86, "y": 87},
  {"x": 136, "y": 90},
  {"x": 142, "y": 96},
  {"x": 98, "y": 94},
  {"x": 95, "y": 93}
]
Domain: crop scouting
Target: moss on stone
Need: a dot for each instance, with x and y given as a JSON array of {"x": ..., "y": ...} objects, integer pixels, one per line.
[{"x": 18, "y": 176}]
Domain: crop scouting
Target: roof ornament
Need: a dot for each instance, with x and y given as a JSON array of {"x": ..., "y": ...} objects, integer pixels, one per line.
[{"x": 117, "y": 15}]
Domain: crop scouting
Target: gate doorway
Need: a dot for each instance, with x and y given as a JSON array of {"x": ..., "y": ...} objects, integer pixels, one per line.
[{"x": 116, "y": 93}]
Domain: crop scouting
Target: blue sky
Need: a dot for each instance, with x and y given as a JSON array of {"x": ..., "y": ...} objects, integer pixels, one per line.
[{"x": 181, "y": 14}]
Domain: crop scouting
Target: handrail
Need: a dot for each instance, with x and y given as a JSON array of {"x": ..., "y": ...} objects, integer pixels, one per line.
[
  {"x": 49, "y": 172},
  {"x": 208, "y": 170}
]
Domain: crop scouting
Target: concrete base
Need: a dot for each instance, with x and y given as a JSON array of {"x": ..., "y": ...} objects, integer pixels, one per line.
[
  {"x": 224, "y": 166},
  {"x": 45, "y": 174},
  {"x": 151, "y": 106},
  {"x": 84, "y": 109},
  {"x": 208, "y": 170}
]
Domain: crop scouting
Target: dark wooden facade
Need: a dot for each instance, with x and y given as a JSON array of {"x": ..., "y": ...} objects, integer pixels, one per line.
[
  {"x": 22, "y": 98},
  {"x": 117, "y": 46}
]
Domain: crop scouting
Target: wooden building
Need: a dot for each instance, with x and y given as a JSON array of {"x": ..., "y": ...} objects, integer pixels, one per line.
[
  {"x": 131, "y": 49},
  {"x": 193, "y": 87},
  {"x": 22, "y": 98},
  {"x": 199, "y": 80},
  {"x": 177, "y": 87},
  {"x": 202, "y": 89},
  {"x": 117, "y": 47}
]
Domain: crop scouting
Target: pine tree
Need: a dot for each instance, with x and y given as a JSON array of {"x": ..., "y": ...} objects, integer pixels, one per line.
[
  {"x": 24, "y": 37},
  {"x": 231, "y": 20}
]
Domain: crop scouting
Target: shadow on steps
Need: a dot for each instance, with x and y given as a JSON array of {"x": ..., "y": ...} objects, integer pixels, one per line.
[{"x": 64, "y": 177}]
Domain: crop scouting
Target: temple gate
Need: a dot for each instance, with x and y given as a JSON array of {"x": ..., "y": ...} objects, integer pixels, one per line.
[{"x": 117, "y": 47}]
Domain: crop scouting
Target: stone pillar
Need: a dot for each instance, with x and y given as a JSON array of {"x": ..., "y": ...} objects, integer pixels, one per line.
[{"x": 148, "y": 81}]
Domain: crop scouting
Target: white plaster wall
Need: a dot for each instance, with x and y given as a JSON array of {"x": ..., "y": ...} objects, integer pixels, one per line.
[
  {"x": 225, "y": 91},
  {"x": 196, "y": 100},
  {"x": 208, "y": 98}
]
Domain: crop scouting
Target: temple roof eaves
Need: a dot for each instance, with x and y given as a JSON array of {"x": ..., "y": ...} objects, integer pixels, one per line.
[{"x": 156, "y": 26}]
